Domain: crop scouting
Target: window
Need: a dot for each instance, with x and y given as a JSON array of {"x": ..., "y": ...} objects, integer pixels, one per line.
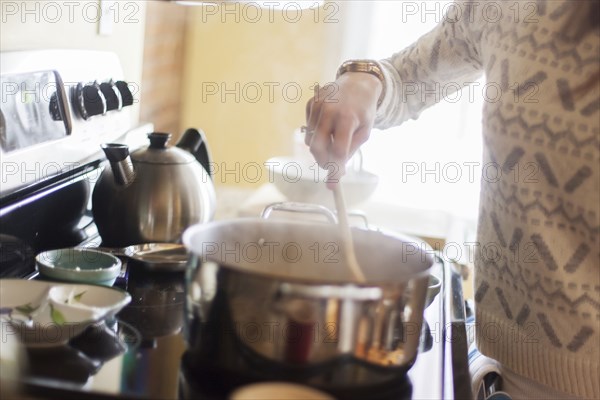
[{"x": 432, "y": 164}]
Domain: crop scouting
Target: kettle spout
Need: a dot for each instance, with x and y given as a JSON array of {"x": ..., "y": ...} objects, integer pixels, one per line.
[{"x": 120, "y": 163}]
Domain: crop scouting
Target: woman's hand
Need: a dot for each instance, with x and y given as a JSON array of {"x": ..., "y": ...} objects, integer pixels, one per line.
[{"x": 339, "y": 119}]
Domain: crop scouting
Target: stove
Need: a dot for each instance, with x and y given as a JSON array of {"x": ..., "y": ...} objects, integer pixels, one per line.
[{"x": 57, "y": 108}]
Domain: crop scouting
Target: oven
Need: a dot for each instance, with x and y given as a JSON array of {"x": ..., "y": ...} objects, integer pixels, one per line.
[{"x": 57, "y": 108}]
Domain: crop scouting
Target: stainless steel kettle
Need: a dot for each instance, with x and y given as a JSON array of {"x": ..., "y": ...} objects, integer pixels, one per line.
[{"x": 155, "y": 193}]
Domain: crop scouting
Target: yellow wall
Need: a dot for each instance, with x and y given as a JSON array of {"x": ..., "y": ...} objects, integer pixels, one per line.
[
  {"x": 275, "y": 49},
  {"x": 221, "y": 52},
  {"x": 27, "y": 25}
]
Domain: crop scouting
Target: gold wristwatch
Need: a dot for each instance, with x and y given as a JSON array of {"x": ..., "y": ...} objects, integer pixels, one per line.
[{"x": 366, "y": 66}]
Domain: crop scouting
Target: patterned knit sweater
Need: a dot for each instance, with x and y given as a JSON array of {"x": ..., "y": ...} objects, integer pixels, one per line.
[{"x": 537, "y": 273}]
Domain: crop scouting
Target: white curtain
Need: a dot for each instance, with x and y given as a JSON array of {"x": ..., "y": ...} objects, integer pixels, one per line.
[{"x": 432, "y": 164}]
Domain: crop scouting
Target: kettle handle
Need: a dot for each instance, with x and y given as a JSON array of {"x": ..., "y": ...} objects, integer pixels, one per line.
[{"x": 194, "y": 141}]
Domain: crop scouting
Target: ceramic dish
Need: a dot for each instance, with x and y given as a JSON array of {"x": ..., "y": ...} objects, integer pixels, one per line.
[
  {"x": 46, "y": 314},
  {"x": 79, "y": 265},
  {"x": 153, "y": 256},
  {"x": 302, "y": 181}
]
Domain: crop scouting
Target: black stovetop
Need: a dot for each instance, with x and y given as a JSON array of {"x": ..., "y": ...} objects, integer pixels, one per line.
[{"x": 142, "y": 353}]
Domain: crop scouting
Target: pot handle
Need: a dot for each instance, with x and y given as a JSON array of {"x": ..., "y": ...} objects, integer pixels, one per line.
[
  {"x": 299, "y": 208},
  {"x": 359, "y": 215},
  {"x": 357, "y": 159}
]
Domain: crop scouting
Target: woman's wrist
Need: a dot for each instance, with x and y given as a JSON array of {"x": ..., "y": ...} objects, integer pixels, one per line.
[
  {"x": 370, "y": 82},
  {"x": 368, "y": 71}
]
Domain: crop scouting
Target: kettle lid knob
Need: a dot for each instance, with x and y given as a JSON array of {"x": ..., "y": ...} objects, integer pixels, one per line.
[{"x": 158, "y": 140}]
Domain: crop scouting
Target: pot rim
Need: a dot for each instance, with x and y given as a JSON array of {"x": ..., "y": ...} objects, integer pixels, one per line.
[{"x": 190, "y": 233}]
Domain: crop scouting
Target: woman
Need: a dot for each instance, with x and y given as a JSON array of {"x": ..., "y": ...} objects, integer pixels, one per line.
[{"x": 537, "y": 281}]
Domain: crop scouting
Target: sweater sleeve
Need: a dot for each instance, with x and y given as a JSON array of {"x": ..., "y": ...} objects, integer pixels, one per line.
[{"x": 440, "y": 63}]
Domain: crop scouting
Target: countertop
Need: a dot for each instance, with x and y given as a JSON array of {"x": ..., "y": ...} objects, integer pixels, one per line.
[{"x": 234, "y": 201}]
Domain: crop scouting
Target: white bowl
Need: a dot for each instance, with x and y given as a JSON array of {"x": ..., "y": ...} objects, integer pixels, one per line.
[
  {"x": 94, "y": 299},
  {"x": 79, "y": 265},
  {"x": 303, "y": 181},
  {"x": 43, "y": 314}
]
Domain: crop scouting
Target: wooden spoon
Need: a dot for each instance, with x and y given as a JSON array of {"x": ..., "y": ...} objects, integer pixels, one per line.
[{"x": 346, "y": 234}]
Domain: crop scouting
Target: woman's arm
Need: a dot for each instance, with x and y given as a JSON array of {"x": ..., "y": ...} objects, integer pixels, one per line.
[
  {"x": 438, "y": 64},
  {"x": 341, "y": 115}
]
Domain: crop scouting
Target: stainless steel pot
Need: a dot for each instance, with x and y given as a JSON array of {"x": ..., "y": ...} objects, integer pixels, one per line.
[
  {"x": 154, "y": 194},
  {"x": 282, "y": 291}
]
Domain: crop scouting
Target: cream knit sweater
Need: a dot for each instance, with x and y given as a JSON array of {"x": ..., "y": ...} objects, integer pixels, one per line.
[{"x": 537, "y": 282}]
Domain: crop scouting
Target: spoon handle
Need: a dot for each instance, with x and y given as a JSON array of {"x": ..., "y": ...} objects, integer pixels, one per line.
[{"x": 347, "y": 243}]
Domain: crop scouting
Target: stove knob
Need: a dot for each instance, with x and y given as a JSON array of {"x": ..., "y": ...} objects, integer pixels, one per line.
[
  {"x": 90, "y": 100},
  {"x": 112, "y": 94},
  {"x": 54, "y": 108},
  {"x": 126, "y": 94}
]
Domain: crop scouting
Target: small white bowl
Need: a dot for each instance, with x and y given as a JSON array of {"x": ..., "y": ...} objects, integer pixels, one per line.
[
  {"x": 79, "y": 265},
  {"x": 303, "y": 181},
  {"x": 43, "y": 314},
  {"x": 94, "y": 299}
]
